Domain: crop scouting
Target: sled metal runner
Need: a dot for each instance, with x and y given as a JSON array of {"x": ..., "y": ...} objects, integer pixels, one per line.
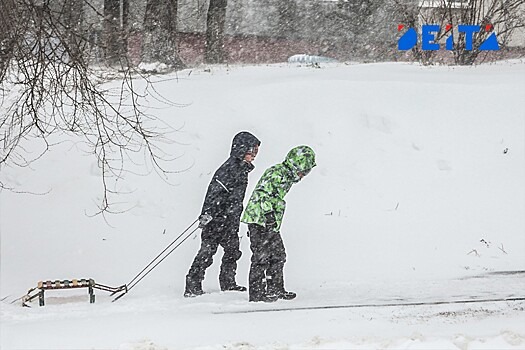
[
  {"x": 355, "y": 306},
  {"x": 89, "y": 283}
]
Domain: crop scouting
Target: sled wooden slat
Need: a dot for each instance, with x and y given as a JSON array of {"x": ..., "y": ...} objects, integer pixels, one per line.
[{"x": 88, "y": 283}]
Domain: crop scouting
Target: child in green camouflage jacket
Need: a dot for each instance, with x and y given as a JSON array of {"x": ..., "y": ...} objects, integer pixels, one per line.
[{"x": 264, "y": 215}]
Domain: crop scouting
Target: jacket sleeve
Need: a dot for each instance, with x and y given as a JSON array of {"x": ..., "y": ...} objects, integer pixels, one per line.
[
  {"x": 268, "y": 197},
  {"x": 236, "y": 199},
  {"x": 215, "y": 198},
  {"x": 226, "y": 192}
]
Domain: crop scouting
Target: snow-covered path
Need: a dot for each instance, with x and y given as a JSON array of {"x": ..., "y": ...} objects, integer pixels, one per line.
[
  {"x": 418, "y": 196},
  {"x": 160, "y": 321}
]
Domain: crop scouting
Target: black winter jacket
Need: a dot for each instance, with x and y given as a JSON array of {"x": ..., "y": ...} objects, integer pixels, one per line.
[{"x": 225, "y": 195}]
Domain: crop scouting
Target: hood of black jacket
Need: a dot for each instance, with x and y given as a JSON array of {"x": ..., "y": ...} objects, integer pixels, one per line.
[{"x": 242, "y": 143}]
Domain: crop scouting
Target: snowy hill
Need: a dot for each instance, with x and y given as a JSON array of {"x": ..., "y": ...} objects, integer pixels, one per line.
[{"x": 418, "y": 196}]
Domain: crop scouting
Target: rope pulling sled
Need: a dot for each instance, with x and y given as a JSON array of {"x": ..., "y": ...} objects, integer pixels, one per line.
[
  {"x": 91, "y": 285},
  {"x": 158, "y": 259}
]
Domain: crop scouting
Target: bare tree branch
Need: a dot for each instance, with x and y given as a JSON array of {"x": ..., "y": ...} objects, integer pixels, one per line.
[{"x": 48, "y": 88}]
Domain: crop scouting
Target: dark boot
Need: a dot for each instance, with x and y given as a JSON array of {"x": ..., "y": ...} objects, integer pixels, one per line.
[
  {"x": 235, "y": 288},
  {"x": 193, "y": 288},
  {"x": 263, "y": 298},
  {"x": 257, "y": 279},
  {"x": 286, "y": 295},
  {"x": 276, "y": 287},
  {"x": 229, "y": 263},
  {"x": 202, "y": 261},
  {"x": 192, "y": 293},
  {"x": 227, "y": 283}
]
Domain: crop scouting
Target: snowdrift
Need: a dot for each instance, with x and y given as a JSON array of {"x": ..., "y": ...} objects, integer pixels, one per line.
[{"x": 418, "y": 196}]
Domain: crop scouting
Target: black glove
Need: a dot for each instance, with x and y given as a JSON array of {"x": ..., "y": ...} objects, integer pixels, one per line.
[
  {"x": 204, "y": 220},
  {"x": 271, "y": 223}
]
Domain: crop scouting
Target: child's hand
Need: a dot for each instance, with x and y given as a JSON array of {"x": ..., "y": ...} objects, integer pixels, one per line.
[
  {"x": 271, "y": 223},
  {"x": 204, "y": 220}
]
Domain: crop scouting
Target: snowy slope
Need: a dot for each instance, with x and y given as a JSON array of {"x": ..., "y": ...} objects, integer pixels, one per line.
[{"x": 416, "y": 165}]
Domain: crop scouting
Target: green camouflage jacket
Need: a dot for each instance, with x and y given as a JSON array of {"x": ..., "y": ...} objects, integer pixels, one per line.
[{"x": 268, "y": 195}]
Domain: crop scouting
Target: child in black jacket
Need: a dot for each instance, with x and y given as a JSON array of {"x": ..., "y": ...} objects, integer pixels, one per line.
[{"x": 220, "y": 216}]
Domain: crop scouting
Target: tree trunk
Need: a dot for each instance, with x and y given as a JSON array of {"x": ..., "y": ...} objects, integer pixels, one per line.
[
  {"x": 72, "y": 20},
  {"x": 287, "y": 10},
  {"x": 160, "y": 33},
  {"x": 115, "y": 25},
  {"x": 8, "y": 37},
  {"x": 216, "y": 18}
]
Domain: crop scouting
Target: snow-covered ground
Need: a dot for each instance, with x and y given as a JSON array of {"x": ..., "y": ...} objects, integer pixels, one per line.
[{"x": 418, "y": 196}]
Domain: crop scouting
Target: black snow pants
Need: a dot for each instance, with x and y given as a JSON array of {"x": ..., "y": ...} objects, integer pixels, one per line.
[
  {"x": 268, "y": 258},
  {"x": 212, "y": 236}
]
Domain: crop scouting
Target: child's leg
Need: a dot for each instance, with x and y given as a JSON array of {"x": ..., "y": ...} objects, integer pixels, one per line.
[
  {"x": 202, "y": 261},
  {"x": 276, "y": 262},
  {"x": 260, "y": 254},
  {"x": 232, "y": 253}
]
